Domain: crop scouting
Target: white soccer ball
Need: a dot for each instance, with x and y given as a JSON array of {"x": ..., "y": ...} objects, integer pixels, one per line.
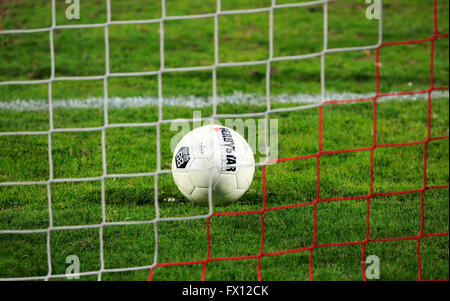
[{"x": 217, "y": 155}]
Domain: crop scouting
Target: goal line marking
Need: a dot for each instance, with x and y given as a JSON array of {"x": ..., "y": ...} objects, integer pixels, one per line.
[{"x": 192, "y": 101}]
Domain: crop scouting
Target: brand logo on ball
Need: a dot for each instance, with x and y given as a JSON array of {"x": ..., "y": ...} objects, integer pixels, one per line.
[
  {"x": 182, "y": 157},
  {"x": 228, "y": 149}
]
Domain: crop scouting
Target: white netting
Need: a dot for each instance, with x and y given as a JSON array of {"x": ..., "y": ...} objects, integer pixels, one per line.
[{"x": 213, "y": 68}]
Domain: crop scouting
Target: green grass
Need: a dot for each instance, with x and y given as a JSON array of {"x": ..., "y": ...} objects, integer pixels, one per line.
[
  {"x": 395, "y": 169},
  {"x": 133, "y": 150}
]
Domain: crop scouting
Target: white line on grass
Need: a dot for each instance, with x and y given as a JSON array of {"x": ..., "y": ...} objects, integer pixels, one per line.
[{"x": 194, "y": 101}]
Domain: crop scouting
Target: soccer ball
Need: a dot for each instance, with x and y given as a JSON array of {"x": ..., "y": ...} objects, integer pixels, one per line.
[{"x": 215, "y": 155}]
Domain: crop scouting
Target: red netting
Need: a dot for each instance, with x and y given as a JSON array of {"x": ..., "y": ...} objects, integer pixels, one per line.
[{"x": 368, "y": 197}]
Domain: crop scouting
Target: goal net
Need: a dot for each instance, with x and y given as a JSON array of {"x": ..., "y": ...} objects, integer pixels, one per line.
[{"x": 91, "y": 95}]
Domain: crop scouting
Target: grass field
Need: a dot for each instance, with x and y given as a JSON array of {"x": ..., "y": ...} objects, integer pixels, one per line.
[{"x": 189, "y": 43}]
